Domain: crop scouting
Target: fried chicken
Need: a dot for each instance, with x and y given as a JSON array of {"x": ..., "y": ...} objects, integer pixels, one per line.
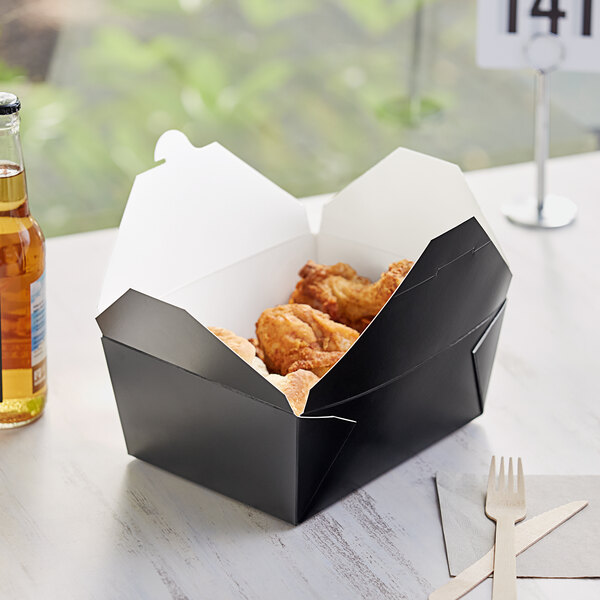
[
  {"x": 259, "y": 350},
  {"x": 295, "y": 387},
  {"x": 241, "y": 346},
  {"x": 345, "y": 296},
  {"x": 258, "y": 365},
  {"x": 296, "y": 336}
]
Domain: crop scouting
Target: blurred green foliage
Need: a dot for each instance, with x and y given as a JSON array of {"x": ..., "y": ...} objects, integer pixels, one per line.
[
  {"x": 378, "y": 16},
  {"x": 9, "y": 74},
  {"x": 263, "y": 13},
  {"x": 310, "y": 92}
]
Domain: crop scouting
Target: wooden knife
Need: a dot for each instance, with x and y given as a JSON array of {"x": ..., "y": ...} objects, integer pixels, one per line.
[{"x": 526, "y": 534}]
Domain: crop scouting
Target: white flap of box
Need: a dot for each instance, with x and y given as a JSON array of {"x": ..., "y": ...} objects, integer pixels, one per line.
[
  {"x": 393, "y": 210},
  {"x": 201, "y": 211},
  {"x": 206, "y": 232}
]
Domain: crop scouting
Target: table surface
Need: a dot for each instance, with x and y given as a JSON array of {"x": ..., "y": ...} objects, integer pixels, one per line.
[{"x": 81, "y": 519}]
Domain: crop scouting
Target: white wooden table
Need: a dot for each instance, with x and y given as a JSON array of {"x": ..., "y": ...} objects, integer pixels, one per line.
[{"x": 81, "y": 519}]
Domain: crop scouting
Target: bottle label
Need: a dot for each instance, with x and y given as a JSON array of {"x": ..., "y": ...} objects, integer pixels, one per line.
[
  {"x": 38, "y": 332},
  {"x": 1, "y": 383}
]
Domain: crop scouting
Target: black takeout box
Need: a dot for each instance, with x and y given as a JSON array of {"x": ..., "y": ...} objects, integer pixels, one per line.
[{"x": 207, "y": 240}]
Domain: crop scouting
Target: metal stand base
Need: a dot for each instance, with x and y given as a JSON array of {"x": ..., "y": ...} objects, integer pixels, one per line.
[
  {"x": 557, "y": 211},
  {"x": 543, "y": 211}
]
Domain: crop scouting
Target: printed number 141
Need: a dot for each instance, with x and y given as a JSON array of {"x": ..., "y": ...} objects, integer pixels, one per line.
[{"x": 554, "y": 13}]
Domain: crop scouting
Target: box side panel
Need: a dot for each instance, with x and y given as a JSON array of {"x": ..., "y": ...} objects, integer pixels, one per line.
[
  {"x": 173, "y": 335},
  {"x": 443, "y": 250},
  {"x": 205, "y": 432},
  {"x": 400, "y": 419},
  {"x": 421, "y": 322}
]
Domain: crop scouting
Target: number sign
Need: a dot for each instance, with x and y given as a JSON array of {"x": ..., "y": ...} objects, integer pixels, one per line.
[{"x": 543, "y": 34}]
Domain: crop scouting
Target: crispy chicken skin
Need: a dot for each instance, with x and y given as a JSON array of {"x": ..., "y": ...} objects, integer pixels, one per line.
[
  {"x": 345, "y": 296},
  {"x": 259, "y": 350},
  {"x": 246, "y": 349},
  {"x": 241, "y": 346},
  {"x": 296, "y": 336}
]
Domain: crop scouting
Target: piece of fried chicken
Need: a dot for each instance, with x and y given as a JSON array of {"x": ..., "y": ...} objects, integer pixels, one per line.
[
  {"x": 296, "y": 336},
  {"x": 295, "y": 386},
  {"x": 241, "y": 346},
  {"x": 345, "y": 296}
]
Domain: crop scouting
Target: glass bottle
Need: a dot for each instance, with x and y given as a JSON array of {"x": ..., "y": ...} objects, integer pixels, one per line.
[{"x": 22, "y": 289}]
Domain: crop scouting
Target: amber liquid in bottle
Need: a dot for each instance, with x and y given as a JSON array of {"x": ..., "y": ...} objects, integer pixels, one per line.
[{"x": 22, "y": 303}]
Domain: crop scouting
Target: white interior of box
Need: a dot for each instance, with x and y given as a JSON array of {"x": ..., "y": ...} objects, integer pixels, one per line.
[{"x": 208, "y": 233}]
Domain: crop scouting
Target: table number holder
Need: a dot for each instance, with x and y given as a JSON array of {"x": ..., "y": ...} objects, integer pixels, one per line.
[{"x": 516, "y": 34}]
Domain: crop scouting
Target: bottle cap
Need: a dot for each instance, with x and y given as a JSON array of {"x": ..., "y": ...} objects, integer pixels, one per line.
[{"x": 9, "y": 103}]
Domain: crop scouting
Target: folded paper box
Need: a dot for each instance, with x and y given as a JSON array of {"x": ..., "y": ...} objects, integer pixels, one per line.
[{"x": 207, "y": 240}]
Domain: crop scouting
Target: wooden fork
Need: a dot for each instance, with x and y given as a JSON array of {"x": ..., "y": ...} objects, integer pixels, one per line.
[{"x": 505, "y": 505}]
